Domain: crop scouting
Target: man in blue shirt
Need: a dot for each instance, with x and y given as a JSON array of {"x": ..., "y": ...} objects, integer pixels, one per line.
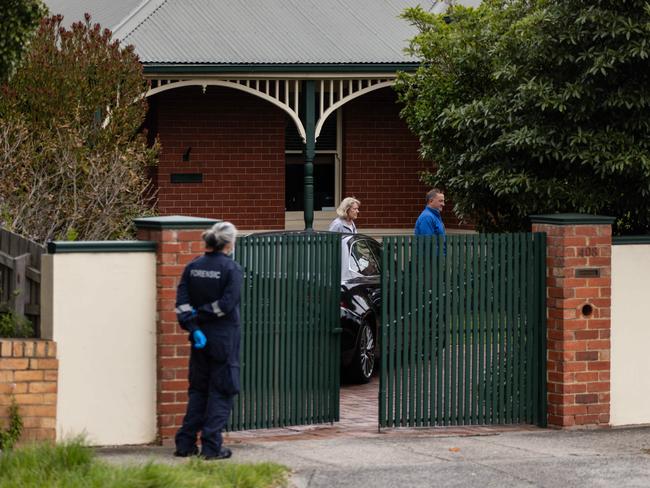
[{"x": 429, "y": 222}]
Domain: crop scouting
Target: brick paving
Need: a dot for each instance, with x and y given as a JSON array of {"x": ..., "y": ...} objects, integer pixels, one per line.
[{"x": 359, "y": 418}]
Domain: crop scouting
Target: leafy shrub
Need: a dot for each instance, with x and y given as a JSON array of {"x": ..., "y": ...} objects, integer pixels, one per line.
[
  {"x": 14, "y": 325},
  {"x": 10, "y": 435},
  {"x": 75, "y": 162}
]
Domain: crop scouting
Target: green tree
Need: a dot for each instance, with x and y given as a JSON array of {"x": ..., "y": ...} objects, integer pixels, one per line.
[
  {"x": 18, "y": 22},
  {"x": 535, "y": 106},
  {"x": 73, "y": 158}
]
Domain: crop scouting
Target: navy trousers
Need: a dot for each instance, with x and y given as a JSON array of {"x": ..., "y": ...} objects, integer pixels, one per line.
[{"x": 208, "y": 406}]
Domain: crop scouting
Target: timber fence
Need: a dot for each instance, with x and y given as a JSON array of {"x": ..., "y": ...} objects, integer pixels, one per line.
[{"x": 20, "y": 276}]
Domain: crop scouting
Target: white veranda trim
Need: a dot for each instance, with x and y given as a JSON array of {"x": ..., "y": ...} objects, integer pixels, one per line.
[
  {"x": 284, "y": 93},
  {"x": 336, "y": 93},
  {"x": 281, "y": 93}
]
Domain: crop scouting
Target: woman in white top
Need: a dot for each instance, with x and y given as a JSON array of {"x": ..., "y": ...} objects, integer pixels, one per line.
[{"x": 347, "y": 213}]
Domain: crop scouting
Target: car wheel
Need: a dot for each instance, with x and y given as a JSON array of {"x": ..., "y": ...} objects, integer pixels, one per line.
[{"x": 363, "y": 363}]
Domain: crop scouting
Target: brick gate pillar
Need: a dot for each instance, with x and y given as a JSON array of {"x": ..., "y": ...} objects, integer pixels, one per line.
[
  {"x": 178, "y": 242},
  {"x": 578, "y": 291}
]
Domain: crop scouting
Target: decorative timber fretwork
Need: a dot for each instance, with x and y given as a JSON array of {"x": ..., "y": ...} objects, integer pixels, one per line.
[
  {"x": 285, "y": 93},
  {"x": 282, "y": 93},
  {"x": 335, "y": 93}
]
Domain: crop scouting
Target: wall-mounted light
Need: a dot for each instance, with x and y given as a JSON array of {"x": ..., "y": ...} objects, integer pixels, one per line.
[{"x": 186, "y": 154}]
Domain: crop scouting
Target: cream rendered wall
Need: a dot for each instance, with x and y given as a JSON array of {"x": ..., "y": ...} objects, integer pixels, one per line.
[
  {"x": 630, "y": 373},
  {"x": 103, "y": 318}
]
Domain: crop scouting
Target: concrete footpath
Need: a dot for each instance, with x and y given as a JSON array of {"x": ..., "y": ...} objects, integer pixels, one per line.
[{"x": 474, "y": 457}]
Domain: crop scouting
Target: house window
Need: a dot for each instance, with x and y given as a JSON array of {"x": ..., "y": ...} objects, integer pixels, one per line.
[{"x": 325, "y": 167}]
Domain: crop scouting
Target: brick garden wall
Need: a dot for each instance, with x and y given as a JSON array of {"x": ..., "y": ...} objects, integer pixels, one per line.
[
  {"x": 578, "y": 324},
  {"x": 29, "y": 371},
  {"x": 237, "y": 143},
  {"x": 381, "y": 164}
]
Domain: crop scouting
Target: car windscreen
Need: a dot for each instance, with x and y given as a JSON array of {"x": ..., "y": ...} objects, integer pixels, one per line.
[{"x": 363, "y": 260}]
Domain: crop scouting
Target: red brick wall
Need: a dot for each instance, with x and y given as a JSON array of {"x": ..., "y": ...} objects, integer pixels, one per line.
[
  {"x": 578, "y": 361},
  {"x": 29, "y": 370},
  {"x": 381, "y": 164},
  {"x": 176, "y": 248},
  {"x": 237, "y": 143}
]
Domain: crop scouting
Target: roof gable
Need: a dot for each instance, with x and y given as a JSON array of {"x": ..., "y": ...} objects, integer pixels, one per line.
[
  {"x": 255, "y": 32},
  {"x": 107, "y": 13}
]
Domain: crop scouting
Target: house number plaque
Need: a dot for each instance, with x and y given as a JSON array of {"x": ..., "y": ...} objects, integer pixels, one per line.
[{"x": 587, "y": 251}]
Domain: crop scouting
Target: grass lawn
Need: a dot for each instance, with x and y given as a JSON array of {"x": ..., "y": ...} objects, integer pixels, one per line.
[{"x": 73, "y": 465}]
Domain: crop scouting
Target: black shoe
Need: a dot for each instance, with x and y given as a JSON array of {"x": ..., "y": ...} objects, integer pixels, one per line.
[
  {"x": 225, "y": 453},
  {"x": 193, "y": 452}
]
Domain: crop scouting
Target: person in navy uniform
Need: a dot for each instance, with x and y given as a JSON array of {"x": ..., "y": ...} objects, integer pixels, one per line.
[
  {"x": 207, "y": 306},
  {"x": 429, "y": 223}
]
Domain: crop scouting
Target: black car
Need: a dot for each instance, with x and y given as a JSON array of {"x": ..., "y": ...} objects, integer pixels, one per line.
[{"x": 360, "y": 306}]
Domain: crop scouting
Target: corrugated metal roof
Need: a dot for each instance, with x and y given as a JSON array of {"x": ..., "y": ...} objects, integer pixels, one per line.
[
  {"x": 270, "y": 31},
  {"x": 107, "y": 13},
  {"x": 255, "y": 31}
]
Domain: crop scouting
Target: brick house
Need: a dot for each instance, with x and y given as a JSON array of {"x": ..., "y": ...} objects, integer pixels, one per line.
[{"x": 269, "y": 112}]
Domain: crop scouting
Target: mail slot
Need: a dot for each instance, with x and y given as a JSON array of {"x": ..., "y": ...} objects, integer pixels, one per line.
[
  {"x": 587, "y": 272},
  {"x": 186, "y": 178}
]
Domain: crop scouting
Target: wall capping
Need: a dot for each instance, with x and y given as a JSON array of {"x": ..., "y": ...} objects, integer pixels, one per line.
[
  {"x": 174, "y": 222},
  {"x": 61, "y": 247},
  {"x": 571, "y": 219},
  {"x": 628, "y": 240}
]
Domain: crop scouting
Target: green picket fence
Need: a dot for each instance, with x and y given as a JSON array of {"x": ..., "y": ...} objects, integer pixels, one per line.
[
  {"x": 463, "y": 330},
  {"x": 290, "y": 352}
]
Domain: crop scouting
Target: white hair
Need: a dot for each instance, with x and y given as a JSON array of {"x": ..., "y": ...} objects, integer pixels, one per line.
[
  {"x": 345, "y": 205},
  {"x": 219, "y": 235}
]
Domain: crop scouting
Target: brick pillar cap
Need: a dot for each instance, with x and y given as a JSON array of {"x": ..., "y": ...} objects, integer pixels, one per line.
[
  {"x": 174, "y": 222},
  {"x": 572, "y": 219}
]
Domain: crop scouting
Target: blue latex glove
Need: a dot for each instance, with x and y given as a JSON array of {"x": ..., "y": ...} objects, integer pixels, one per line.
[{"x": 199, "y": 339}]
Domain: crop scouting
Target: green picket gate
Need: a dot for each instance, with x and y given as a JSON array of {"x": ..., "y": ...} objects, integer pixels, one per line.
[
  {"x": 463, "y": 330},
  {"x": 290, "y": 350}
]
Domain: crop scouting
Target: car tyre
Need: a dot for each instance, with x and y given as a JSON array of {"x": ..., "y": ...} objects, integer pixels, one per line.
[{"x": 365, "y": 356}]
